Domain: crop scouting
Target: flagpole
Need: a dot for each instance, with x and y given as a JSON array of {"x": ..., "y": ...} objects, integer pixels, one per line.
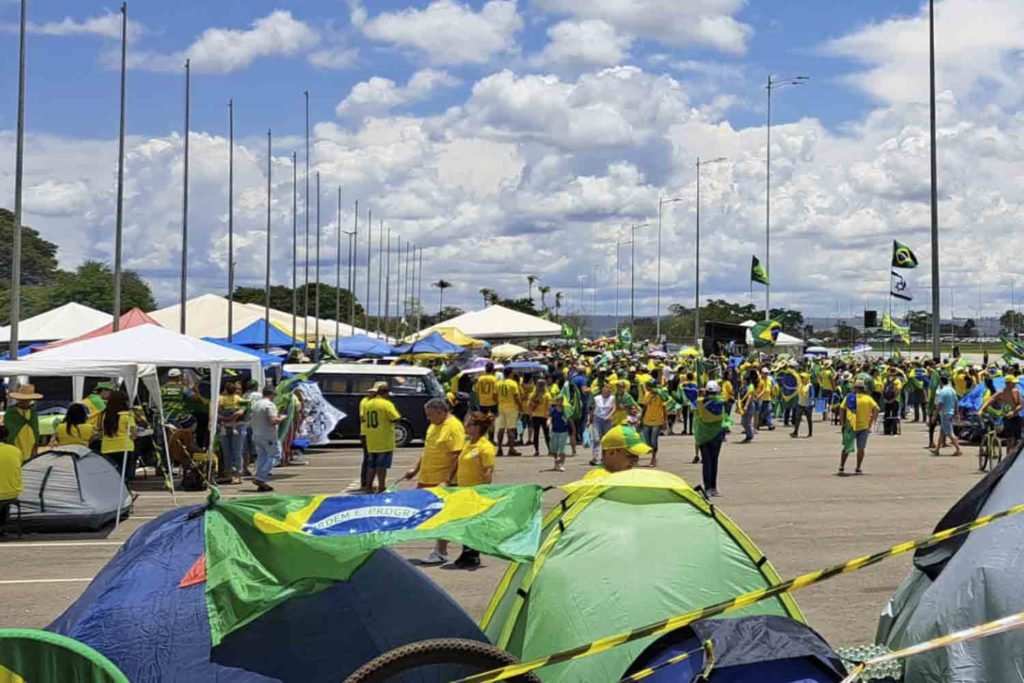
[
  {"x": 380, "y": 263},
  {"x": 935, "y": 183},
  {"x": 266, "y": 294},
  {"x": 19, "y": 167},
  {"x": 316, "y": 303},
  {"x": 184, "y": 202},
  {"x": 337, "y": 266},
  {"x": 398, "y": 282},
  {"x": 305, "y": 293},
  {"x": 295, "y": 244},
  {"x": 387, "y": 280},
  {"x": 419, "y": 293},
  {"x": 120, "y": 176},
  {"x": 231, "y": 218},
  {"x": 352, "y": 251}
]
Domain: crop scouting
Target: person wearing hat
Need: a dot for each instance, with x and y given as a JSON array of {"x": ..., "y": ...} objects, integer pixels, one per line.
[
  {"x": 96, "y": 402},
  {"x": 621, "y": 449},
  {"x": 381, "y": 417},
  {"x": 173, "y": 395},
  {"x": 859, "y": 414},
  {"x": 1007, "y": 403},
  {"x": 804, "y": 407},
  {"x": 365, "y": 485},
  {"x": 655, "y": 418},
  {"x": 22, "y": 422},
  {"x": 709, "y": 433}
]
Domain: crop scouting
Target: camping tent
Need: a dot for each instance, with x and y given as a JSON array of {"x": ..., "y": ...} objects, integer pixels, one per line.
[
  {"x": 256, "y": 332},
  {"x": 132, "y": 318},
  {"x": 582, "y": 585},
  {"x": 28, "y": 654},
  {"x": 266, "y": 359},
  {"x": 966, "y": 581},
  {"x": 498, "y": 322},
  {"x": 361, "y": 346},
  {"x": 146, "y": 612},
  {"x": 451, "y": 334},
  {"x": 433, "y": 344},
  {"x": 62, "y": 322},
  {"x": 70, "y": 488}
]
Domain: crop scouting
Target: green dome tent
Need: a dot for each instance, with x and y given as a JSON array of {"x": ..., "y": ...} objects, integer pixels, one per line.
[
  {"x": 619, "y": 552},
  {"x": 28, "y": 655}
]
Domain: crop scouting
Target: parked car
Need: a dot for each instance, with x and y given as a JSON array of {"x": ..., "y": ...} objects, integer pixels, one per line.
[{"x": 345, "y": 384}]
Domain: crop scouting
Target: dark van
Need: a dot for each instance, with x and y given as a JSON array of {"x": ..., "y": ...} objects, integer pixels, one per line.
[{"x": 345, "y": 384}]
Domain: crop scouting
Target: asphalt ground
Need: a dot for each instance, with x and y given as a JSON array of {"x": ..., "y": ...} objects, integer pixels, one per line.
[{"x": 783, "y": 492}]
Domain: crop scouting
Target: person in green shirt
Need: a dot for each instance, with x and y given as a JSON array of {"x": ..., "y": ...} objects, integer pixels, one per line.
[
  {"x": 96, "y": 402},
  {"x": 22, "y": 422}
]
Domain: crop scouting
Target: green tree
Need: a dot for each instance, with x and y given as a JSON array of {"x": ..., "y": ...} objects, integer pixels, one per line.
[
  {"x": 38, "y": 257},
  {"x": 521, "y": 305},
  {"x": 281, "y": 299},
  {"x": 92, "y": 284},
  {"x": 791, "y": 321},
  {"x": 1012, "y": 321},
  {"x": 920, "y": 322},
  {"x": 722, "y": 311},
  {"x": 846, "y": 335}
]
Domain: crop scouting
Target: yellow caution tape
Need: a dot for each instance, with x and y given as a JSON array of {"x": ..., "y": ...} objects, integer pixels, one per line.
[
  {"x": 707, "y": 648},
  {"x": 991, "y": 628},
  {"x": 664, "y": 626}
]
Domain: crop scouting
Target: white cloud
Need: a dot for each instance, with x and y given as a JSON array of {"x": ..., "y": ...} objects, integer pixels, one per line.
[
  {"x": 587, "y": 43},
  {"x": 220, "y": 50},
  {"x": 448, "y": 32},
  {"x": 693, "y": 23},
  {"x": 105, "y": 26},
  {"x": 379, "y": 95},
  {"x": 334, "y": 58}
]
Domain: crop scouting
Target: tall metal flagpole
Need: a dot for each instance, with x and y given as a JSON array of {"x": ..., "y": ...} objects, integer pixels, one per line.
[
  {"x": 935, "y": 185},
  {"x": 19, "y": 167},
  {"x": 387, "y": 277},
  {"x": 120, "y": 175},
  {"x": 768, "y": 208},
  {"x": 337, "y": 279},
  {"x": 305, "y": 290},
  {"x": 419, "y": 292},
  {"x": 398, "y": 286},
  {"x": 369, "y": 250},
  {"x": 184, "y": 201},
  {"x": 231, "y": 218},
  {"x": 295, "y": 243},
  {"x": 316, "y": 292},
  {"x": 266, "y": 293},
  {"x": 380, "y": 263}
]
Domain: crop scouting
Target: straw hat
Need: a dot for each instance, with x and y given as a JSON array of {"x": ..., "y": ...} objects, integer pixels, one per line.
[{"x": 26, "y": 392}]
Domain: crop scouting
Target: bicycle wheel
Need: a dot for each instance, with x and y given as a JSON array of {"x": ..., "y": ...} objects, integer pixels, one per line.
[
  {"x": 474, "y": 655},
  {"x": 984, "y": 453},
  {"x": 996, "y": 453}
]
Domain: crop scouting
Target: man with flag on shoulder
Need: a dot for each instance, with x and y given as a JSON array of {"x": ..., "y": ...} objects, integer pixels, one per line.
[{"x": 709, "y": 433}]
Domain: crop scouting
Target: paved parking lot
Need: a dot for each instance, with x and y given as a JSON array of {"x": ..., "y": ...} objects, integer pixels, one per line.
[{"x": 783, "y": 492}]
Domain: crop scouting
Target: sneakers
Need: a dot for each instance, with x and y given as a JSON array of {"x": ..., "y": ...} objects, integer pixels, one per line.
[
  {"x": 559, "y": 468},
  {"x": 713, "y": 493},
  {"x": 436, "y": 558},
  {"x": 263, "y": 487},
  {"x": 594, "y": 462},
  {"x": 465, "y": 561},
  {"x": 696, "y": 460}
]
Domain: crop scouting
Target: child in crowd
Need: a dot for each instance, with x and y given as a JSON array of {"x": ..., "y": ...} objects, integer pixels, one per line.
[{"x": 559, "y": 434}]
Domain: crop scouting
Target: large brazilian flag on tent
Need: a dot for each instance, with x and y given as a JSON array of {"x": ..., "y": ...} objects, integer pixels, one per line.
[
  {"x": 264, "y": 550},
  {"x": 765, "y": 333}
]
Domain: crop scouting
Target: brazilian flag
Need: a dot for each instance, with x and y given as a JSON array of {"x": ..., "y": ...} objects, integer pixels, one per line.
[
  {"x": 757, "y": 271},
  {"x": 902, "y": 256},
  {"x": 625, "y": 336},
  {"x": 568, "y": 332},
  {"x": 765, "y": 333},
  {"x": 1014, "y": 348}
]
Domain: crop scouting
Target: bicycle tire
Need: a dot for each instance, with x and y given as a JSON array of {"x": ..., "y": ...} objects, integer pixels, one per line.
[
  {"x": 472, "y": 653},
  {"x": 996, "y": 456},
  {"x": 983, "y": 454}
]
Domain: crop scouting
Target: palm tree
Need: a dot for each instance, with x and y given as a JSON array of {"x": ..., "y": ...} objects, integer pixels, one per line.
[
  {"x": 530, "y": 279},
  {"x": 489, "y": 295},
  {"x": 558, "y": 303},
  {"x": 543, "y": 289},
  {"x": 441, "y": 286}
]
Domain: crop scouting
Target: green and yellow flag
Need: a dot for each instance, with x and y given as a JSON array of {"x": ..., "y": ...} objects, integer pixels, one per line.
[
  {"x": 1013, "y": 347},
  {"x": 757, "y": 271},
  {"x": 264, "y": 550},
  {"x": 889, "y": 325},
  {"x": 902, "y": 256},
  {"x": 765, "y": 333}
]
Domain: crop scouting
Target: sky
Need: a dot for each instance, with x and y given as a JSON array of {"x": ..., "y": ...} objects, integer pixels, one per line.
[{"x": 509, "y": 138}]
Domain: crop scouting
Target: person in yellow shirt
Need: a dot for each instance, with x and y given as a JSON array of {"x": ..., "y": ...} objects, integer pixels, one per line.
[
  {"x": 11, "y": 484},
  {"x": 381, "y": 417},
  {"x": 859, "y": 414},
  {"x": 475, "y": 468},
  {"x": 537, "y": 407},
  {"x": 118, "y": 435},
  {"x": 486, "y": 388},
  {"x": 365, "y": 484},
  {"x": 22, "y": 422},
  {"x": 436, "y": 466},
  {"x": 229, "y": 434},
  {"x": 75, "y": 430},
  {"x": 654, "y": 420},
  {"x": 508, "y": 413}
]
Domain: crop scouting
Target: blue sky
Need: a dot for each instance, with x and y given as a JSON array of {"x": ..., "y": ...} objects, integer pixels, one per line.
[{"x": 510, "y": 137}]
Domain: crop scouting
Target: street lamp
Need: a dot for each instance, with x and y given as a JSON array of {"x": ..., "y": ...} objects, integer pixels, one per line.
[
  {"x": 619, "y": 244},
  {"x": 661, "y": 203},
  {"x": 632, "y": 274},
  {"x": 772, "y": 85},
  {"x": 696, "y": 289}
]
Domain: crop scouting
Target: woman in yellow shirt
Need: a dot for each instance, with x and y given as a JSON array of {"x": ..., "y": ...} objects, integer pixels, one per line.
[
  {"x": 537, "y": 407},
  {"x": 118, "y": 436},
  {"x": 475, "y": 467},
  {"x": 75, "y": 430}
]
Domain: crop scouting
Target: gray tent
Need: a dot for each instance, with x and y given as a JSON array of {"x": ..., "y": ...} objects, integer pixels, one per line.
[
  {"x": 964, "y": 582},
  {"x": 70, "y": 488}
]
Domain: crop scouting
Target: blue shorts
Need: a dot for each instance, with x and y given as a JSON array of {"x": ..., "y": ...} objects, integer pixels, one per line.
[
  {"x": 380, "y": 461},
  {"x": 862, "y": 438},
  {"x": 946, "y": 421}
]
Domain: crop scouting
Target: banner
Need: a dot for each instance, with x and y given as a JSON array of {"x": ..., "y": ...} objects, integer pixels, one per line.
[
  {"x": 899, "y": 287},
  {"x": 264, "y": 550}
]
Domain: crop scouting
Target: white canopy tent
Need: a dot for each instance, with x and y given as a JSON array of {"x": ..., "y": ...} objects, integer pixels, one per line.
[
  {"x": 498, "y": 322},
  {"x": 784, "y": 342},
  {"x": 69, "y": 320}
]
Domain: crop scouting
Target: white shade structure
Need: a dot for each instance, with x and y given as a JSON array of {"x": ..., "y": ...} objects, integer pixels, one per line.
[
  {"x": 498, "y": 322},
  {"x": 69, "y": 320}
]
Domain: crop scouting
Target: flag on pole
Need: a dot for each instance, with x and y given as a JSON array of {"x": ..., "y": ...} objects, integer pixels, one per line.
[
  {"x": 765, "y": 333},
  {"x": 264, "y": 550},
  {"x": 889, "y": 325},
  {"x": 757, "y": 271},
  {"x": 1014, "y": 348},
  {"x": 568, "y": 332},
  {"x": 625, "y": 336},
  {"x": 899, "y": 287},
  {"x": 902, "y": 256}
]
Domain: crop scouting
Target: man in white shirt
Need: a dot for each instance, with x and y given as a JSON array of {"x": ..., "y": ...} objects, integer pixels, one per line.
[
  {"x": 264, "y": 438},
  {"x": 601, "y": 419}
]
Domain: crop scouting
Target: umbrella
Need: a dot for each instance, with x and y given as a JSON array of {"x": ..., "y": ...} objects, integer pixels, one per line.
[{"x": 503, "y": 351}]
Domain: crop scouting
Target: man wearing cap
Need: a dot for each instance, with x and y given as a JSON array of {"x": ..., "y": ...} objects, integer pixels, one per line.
[
  {"x": 22, "y": 422},
  {"x": 365, "y": 485},
  {"x": 708, "y": 434},
  {"x": 655, "y": 418},
  {"x": 173, "y": 395},
  {"x": 859, "y": 414},
  {"x": 96, "y": 402},
  {"x": 621, "y": 449},
  {"x": 381, "y": 417}
]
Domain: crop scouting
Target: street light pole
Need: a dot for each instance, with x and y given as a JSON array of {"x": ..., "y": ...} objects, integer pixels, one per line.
[
  {"x": 231, "y": 219},
  {"x": 184, "y": 200},
  {"x": 19, "y": 167},
  {"x": 935, "y": 184},
  {"x": 772, "y": 85},
  {"x": 266, "y": 294},
  {"x": 120, "y": 178},
  {"x": 661, "y": 203},
  {"x": 696, "y": 288}
]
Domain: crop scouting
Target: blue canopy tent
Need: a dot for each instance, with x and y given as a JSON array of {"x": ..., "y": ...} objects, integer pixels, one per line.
[
  {"x": 432, "y": 343},
  {"x": 143, "y": 615},
  {"x": 24, "y": 351},
  {"x": 266, "y": 359},
  {"x": 361, "y": 346},
  {"x": 254, "y": 334}
]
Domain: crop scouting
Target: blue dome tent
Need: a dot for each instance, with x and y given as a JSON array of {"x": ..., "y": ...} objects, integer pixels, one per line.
[
  {"x": 266, "y": 359},
  {"x": 255, "y": 332},
  {"x": 433, "y": 343},
  {"x": 143, "y": 615},
  {"x": 361, "y": 346}
]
